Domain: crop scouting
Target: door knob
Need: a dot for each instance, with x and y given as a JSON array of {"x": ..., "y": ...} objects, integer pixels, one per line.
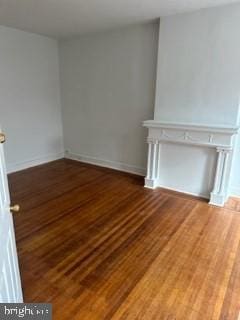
[
  {"x": 15, "y": 208},
  {"x": 2, "y": 138}
]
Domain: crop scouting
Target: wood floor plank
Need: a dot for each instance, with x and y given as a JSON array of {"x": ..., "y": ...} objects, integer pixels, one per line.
[{"x": 99, "y": 246}]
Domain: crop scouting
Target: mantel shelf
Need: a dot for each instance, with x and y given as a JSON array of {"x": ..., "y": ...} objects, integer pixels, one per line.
[
  {"x": 191, "y": 126},
  {"x": 194, "y": 134}
]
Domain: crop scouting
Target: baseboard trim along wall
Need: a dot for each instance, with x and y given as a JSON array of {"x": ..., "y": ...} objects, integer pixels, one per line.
[
  {"x": 197, "y": 195},
  {"x": 234, "y": 192},
  {"x": 106, "y": 163},
  {"x": 14, "y": 167}
]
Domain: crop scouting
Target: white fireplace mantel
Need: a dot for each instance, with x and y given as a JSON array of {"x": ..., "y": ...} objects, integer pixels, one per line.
[{"x": 219, "y": 137}]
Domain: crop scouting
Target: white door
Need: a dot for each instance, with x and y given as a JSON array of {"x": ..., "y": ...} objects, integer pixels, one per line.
[{"x": 10, "y": 283}]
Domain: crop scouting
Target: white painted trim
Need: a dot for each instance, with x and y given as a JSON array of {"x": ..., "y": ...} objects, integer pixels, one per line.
[
  {"x": 106, "y": 163},
  {"x": 197, "y": 135},
  {"x": 192, "y": 127},
  {"x": 151, "y": 183},
  {"x": 194, "y": 194},
  {"x": 14, "y": 167},
  {"x": 235, "y": 191},
  {"x": 217, "y": 199},
  {"x": 221, "y": 138}
]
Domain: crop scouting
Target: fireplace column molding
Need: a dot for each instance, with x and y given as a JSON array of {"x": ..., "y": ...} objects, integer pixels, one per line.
[
  {"x": 153, "y": 166},
  {"x": 219, "y": 193}
]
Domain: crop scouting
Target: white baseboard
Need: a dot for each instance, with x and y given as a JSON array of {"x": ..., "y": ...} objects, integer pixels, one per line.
[
  {"x": 106, "y": 163},
  {"x": 122, "y": 167},
  {"x": 234, "y": 191},
  {"x": 195, "y": 194},
  {"x": 14, "y": 167}
]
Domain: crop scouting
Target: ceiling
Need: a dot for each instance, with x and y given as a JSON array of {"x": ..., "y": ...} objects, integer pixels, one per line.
[{"x": 66, "y": 18}]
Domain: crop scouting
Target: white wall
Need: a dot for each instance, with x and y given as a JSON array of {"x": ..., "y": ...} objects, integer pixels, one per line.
[
  {"x": 187, "y": 169},
  {"x": 199, "y": 67},
  {"x": 108, "y": 87},
  {"x": 198, "y": 81},
  {"x": 30, "y": 110}
]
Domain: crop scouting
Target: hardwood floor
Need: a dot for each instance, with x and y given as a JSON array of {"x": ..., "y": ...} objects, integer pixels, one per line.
[{"x": 98, "y": 245}]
